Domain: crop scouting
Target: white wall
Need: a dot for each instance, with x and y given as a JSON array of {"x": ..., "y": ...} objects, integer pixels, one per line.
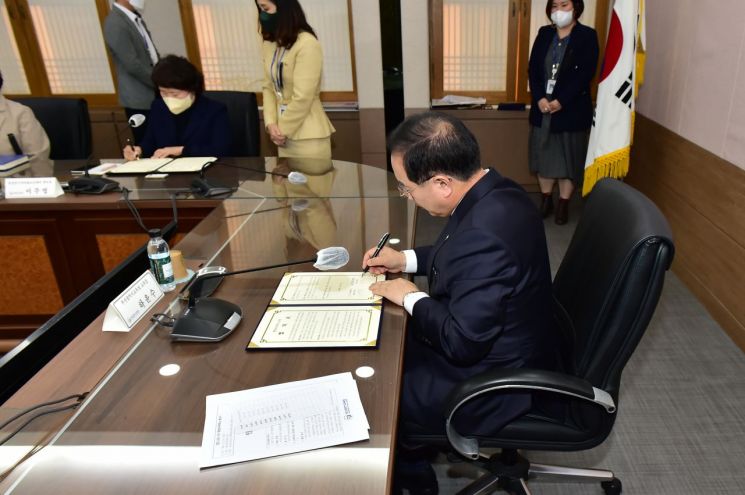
[
  {"x": 415, "y": 52},
  {"x": 368, "y": 53},
  {"x": 695, "y": 73},
  {"x": 163, "y": 20}
]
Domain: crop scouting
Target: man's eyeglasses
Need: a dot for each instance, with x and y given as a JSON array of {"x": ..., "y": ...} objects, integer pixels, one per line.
[{"x": 406, "y": 191}]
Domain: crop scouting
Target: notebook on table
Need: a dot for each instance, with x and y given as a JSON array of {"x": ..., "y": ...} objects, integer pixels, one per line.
[
  {"x": 9, "y": 162},
  {"x": 163, "y": 165}
]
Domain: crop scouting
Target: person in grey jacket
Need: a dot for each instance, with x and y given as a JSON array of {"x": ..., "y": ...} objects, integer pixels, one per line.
[{"x": 134, "y": 55}]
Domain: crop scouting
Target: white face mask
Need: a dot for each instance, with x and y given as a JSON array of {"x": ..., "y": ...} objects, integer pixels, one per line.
[
  {"x": 562, "y": 18},
  {"x": 139, "y": 5},
  {"x": 178, "y": 105}
]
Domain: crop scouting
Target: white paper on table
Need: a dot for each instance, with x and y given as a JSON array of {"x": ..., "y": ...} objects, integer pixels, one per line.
[
  {"x": 326, "y": 288},
  {"x": 187, "y": 164},
  {"x": 317, "y": 326},
  {"x": 282, "y": 419},
  {"x": 141, "y": 166}
]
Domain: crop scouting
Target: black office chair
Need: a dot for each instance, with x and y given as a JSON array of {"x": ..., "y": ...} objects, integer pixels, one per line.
[
  {"x": 606, "y": 290},
  {"x": 66, "y": 122},
  {"x": 243, "y": 112}
]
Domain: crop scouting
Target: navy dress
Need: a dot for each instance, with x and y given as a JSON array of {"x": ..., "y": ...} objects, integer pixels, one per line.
[
  {"x": 203, "y": 129},
  {"x": 558, "y": 142}
]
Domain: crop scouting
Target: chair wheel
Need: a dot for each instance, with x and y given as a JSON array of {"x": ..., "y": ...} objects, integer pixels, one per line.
[{"x": 612, "y": 487}]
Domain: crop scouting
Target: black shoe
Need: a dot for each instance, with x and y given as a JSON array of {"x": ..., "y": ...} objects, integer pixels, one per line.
[
  {"x": 418, "y": 478},
  {"x": 547, "y": 205},
  {"x": 562, "y": 212}
]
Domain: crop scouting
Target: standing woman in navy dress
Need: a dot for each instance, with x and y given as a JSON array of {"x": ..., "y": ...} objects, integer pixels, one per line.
[{"x": 562, "y": 65}]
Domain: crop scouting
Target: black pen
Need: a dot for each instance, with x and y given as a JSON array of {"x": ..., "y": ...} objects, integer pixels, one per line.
[
  {"x": 129, "y": 143},
  {"x": 380, "y": 245}
]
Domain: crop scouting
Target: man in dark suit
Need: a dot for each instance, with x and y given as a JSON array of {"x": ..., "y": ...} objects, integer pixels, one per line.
[
  {"x": 134, "y": 55},
  {"x": 489, "y": 299}
]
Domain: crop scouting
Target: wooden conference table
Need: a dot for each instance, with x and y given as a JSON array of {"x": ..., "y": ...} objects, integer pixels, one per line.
[{"x": 140, "y": 432}]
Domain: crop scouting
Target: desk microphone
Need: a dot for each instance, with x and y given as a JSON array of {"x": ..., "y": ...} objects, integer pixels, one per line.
[
  {"x": 206, "y": 189},
  {"x": 211, "y": 320},
  {"x": 136, "y": 120},
  {"x": 91, "y": 185}
]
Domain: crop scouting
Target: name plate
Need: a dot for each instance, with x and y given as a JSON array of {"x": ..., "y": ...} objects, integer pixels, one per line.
[
  {"x": 132, "y": 304},
  {"x": 32, "y": 187}
]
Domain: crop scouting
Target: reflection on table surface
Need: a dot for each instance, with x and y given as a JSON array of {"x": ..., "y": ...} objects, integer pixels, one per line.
[
  {"x": 140, "y": 432},
  {"x": 251, "y": 177}
]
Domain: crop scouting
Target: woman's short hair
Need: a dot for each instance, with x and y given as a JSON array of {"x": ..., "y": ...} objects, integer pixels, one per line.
[
  {"x": 290, "y": 22},
  {"x": 578, "y": 5},
  {"x": 176, "y": 72}
]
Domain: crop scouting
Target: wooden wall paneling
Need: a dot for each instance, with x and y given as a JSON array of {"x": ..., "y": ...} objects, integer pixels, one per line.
[
  {"x": 27, "y": 280},
  {"x": 698, "y": 192},
  {"x": 109, "y": 131},
  {"x": 503, "y": 139}
]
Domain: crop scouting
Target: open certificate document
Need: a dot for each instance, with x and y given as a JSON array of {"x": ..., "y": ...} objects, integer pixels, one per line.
[
  {"x": 282, "y": 419},
  {"x": 312, "y": 310}
]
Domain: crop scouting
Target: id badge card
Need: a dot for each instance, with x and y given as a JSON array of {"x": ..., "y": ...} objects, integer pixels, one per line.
[
  {"x": 282, "y": 109},
  {"x": 550, "y": 86}
]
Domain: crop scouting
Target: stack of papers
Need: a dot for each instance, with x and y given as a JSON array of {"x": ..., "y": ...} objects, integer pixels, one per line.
[
  {"x": 282, "y": 419},
  {"x": 163, "y": 165},
  {"x": 457, "y": 100},
  {"x": 326, "y": 309}
]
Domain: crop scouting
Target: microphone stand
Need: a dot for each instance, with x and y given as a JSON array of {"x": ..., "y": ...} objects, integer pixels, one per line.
[
  {"x": 196, "y": 286},
  {"x": 202, "y": 187},
  {"x": 211, "y": 319}
]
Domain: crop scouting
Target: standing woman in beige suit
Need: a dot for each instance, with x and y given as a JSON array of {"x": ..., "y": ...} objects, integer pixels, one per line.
[{"x": 293, "y": 62}]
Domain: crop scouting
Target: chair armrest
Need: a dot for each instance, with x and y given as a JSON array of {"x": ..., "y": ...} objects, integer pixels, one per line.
[{"x": 511, "y": 380}]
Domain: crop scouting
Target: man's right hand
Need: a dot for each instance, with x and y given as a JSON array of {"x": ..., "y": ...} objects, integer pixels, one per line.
[{"x": 387, "y": 261}]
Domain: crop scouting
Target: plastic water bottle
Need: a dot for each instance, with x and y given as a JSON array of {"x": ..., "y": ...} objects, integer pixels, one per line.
[{"x": 160, "y": 260}]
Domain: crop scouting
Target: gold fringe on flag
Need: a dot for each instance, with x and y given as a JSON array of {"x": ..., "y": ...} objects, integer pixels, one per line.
[{"x": 614, "y": 164}]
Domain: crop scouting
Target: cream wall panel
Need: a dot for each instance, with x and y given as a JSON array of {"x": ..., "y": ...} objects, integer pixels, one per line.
[
  {"x": 734, "y": 139},
  {"x": 710, "y": 81},
  {"x": 163, "y": 20},
  {"x": 695, "y": 78},
  {"x": 368, "y": 53},
  {"x": 415, "y": 51}
]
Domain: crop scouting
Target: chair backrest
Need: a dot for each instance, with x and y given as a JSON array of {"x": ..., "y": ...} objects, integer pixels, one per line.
[
  {"x": 66, "y": 122},
  {"x": 243, "y": 112},
  {"x": 610, "y": 280}
]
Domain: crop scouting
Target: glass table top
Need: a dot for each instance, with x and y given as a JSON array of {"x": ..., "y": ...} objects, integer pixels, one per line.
[
  {"x": 249, "y": 178},
  {"x": 140, "y": 431}
]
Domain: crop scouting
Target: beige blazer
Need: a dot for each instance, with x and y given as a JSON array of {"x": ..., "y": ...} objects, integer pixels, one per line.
[
  {"x": 20, "y": 121},
  {"x": 303, "y": 116}
]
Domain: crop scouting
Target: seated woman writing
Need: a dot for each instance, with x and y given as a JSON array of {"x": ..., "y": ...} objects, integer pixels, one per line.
[{"x": 182, "y": 122}]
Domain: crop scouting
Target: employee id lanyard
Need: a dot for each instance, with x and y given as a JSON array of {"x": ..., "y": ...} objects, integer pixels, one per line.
[
  {"x": 555, "y": 62},
  {"x": 279, "y": 55}
]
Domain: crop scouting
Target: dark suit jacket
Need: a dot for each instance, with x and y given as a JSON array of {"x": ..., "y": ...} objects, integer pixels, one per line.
[
  {"x": 207, "y": 132},
  {"x": 489, "y": 307},
  {"x": 572, "y": 82},
  {"x": 131, "y": 59}
]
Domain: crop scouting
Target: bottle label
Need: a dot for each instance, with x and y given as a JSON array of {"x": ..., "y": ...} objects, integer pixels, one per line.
[{"x": 162, "y": 267}]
